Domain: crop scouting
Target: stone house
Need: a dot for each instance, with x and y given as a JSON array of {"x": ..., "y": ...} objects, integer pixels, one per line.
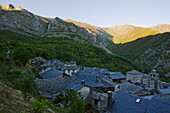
[
  {"x": 98, "y": 99},
  {"x": 134, "y": 76},
  {"x": 134, "y": 89},
  {"x": 50, "y": 73},
  {"x": 80, "y": 87},
  {"x": 70, "y": 67},
  {"x": 151, "y": 80},
  {"x": 116, "y": 76}
]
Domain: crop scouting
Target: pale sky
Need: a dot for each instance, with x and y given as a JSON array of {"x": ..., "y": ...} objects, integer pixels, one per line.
[{"x": 102, "y": 13}]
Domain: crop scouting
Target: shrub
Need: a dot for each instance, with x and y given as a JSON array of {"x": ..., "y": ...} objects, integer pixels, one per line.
[{"x": 40, "y": 104}]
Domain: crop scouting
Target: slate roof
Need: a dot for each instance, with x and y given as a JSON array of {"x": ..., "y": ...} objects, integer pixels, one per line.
[
  {"x": 81, "y": 67},
  {"x": 126, "y": 103},
  {"x": 146, "y": 76},
  {"x": 92, "y": 70},
  {"x": 75, "y": 86},
  {"x": 163, "y": 96},
  {"x": 55, "y": 61},
  {"x": 158, "y": 106},
  {"x": 54, "y": 85},
  {"x": 134, "y": 72},
  {"x": 128, "y": 87},
  {"x": 165, "y": 91},
  {"x": 107, "y": 82},
  {"x": 69, "y": 68},
  {"x": 104, "y": 71},
  {"x": 90, "y": 79},
  {"x": 50, "y": 73},
  {"x": 71, "y": 63},
  {"x": 116, "y": 75}
]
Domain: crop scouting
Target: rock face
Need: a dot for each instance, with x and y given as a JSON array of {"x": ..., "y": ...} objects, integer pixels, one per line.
[
  {"x": 13, "y": 100},
  {"x": 156, "y": 57},
  {"x": 24, "y": 22},
  {"x": 59, "y": 26}
]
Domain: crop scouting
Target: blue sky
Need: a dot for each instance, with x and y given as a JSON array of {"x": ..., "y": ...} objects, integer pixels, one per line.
[{"x": 103, "y": 13}]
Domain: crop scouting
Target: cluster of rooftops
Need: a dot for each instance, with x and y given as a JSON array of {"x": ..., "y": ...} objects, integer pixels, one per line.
[{"x": 55, "y": 75}]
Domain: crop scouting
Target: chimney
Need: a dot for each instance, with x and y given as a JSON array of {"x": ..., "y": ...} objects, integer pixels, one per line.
[
  {"x": 109, "y": 98},
  {"x": 97, "y": 77},
  {"x": 156, "y": 85},
  {"x": 42, "y": 71},
  {"x": 83, "y": 82}
]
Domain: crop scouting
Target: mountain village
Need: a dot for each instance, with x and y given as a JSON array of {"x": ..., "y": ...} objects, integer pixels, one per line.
[{"x": 106, "y": 91}]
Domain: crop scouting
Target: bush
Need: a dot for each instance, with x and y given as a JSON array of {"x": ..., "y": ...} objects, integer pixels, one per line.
[
  {"x": 40, "y": 104},
  {"x": 78, "y": 106}
]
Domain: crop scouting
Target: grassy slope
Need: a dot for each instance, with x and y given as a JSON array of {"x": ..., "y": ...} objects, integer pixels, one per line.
[
  {"x": 135, "y": 48},
  {"x": 161, "y": 28},
  {"x": 68, "y": 49},
  {"x": 127, "y": 33}
]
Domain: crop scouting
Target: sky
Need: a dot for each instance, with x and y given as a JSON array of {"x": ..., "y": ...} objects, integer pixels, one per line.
[{"x": 102, "y": 13}]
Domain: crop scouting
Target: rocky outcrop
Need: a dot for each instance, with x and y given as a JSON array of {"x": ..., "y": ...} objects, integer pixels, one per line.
[
  {"x": 24, "y": 22},
  {"x": 156, "y": 57},
  {"x": 13, "y": 100},
  {"x": 58, "y": 26}
]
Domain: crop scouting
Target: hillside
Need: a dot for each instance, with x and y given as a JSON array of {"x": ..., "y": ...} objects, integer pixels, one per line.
[
  {"x": 27, "y": 23},
  {"x": 161, "y": 28},
  {"x": 64, "y": 48},
  {"x": 151, "y": 51},
  {"x": 127, "y": 33},
  {"x": 99, "y": 32}
]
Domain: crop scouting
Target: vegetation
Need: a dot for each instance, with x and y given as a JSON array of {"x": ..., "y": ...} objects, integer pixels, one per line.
[
  {"x": 133, "y": 49},
  {"x": 127, "y": 33},
  {"x": 65, "y": 48},
  {"x": 146, "y": 51},
  {"x": 72, "y": 98}
]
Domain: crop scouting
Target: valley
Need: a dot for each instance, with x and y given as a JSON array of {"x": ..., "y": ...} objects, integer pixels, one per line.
[{"x": 51, "y": 65}]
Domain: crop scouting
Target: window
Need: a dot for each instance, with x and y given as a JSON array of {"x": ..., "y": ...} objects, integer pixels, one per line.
[{"x": 138, "y": 100}]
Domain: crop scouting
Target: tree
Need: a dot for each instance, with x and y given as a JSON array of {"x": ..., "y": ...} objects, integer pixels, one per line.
[
  {"x": 72, "y": 98},
  {"x": 21, "y": 55},
  {"x": 78, "y": 106}
]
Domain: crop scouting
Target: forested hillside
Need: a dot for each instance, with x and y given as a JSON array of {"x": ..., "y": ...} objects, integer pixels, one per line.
[{"x": 64, "y": 48}]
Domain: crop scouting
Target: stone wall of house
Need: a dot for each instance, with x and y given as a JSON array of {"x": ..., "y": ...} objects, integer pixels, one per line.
[
  {"x": 143, "y": 92},
  {"x": 84, "y": 92},
  {"x": 102, "y": 101},
  {"x": 134, "y": 78}
]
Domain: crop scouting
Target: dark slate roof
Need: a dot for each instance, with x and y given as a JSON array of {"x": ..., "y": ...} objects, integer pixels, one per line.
[
  {"x": 92, "y": 70},
  {"x": 163, "y": 96},
  {"x": 116, "y": 75},
  {"x": 50, "y": 73},
  {"x": 75, "y": 86},
  {"x": 90, "y": 79},
  {"x": 107, "y": 83},
  {"x": 55, "y": 61},
  {"x": 128, "y": 87},
  {"x": 54, "y": 85},
  {"x": 71, "y": 63},
  {"x": 69, "y": 68},
  {"x": 126, "y": 103},
  {"x": 38, "y": 59},
  {"x": 104, "y": 71},
  {"x": 134, "y": 72},
  {"x": 81, "y": 67},
  {"x": 165, "y": 91},
  {"x": 146, "y": 76},
  {"x": 158, "y": 106}
]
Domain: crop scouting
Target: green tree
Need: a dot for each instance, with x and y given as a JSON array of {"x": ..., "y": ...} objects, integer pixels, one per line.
[
  {"x": 72, "y": 98},
  {"x": 78, "y": 106},
  {"x": 21, "y": 55}
]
